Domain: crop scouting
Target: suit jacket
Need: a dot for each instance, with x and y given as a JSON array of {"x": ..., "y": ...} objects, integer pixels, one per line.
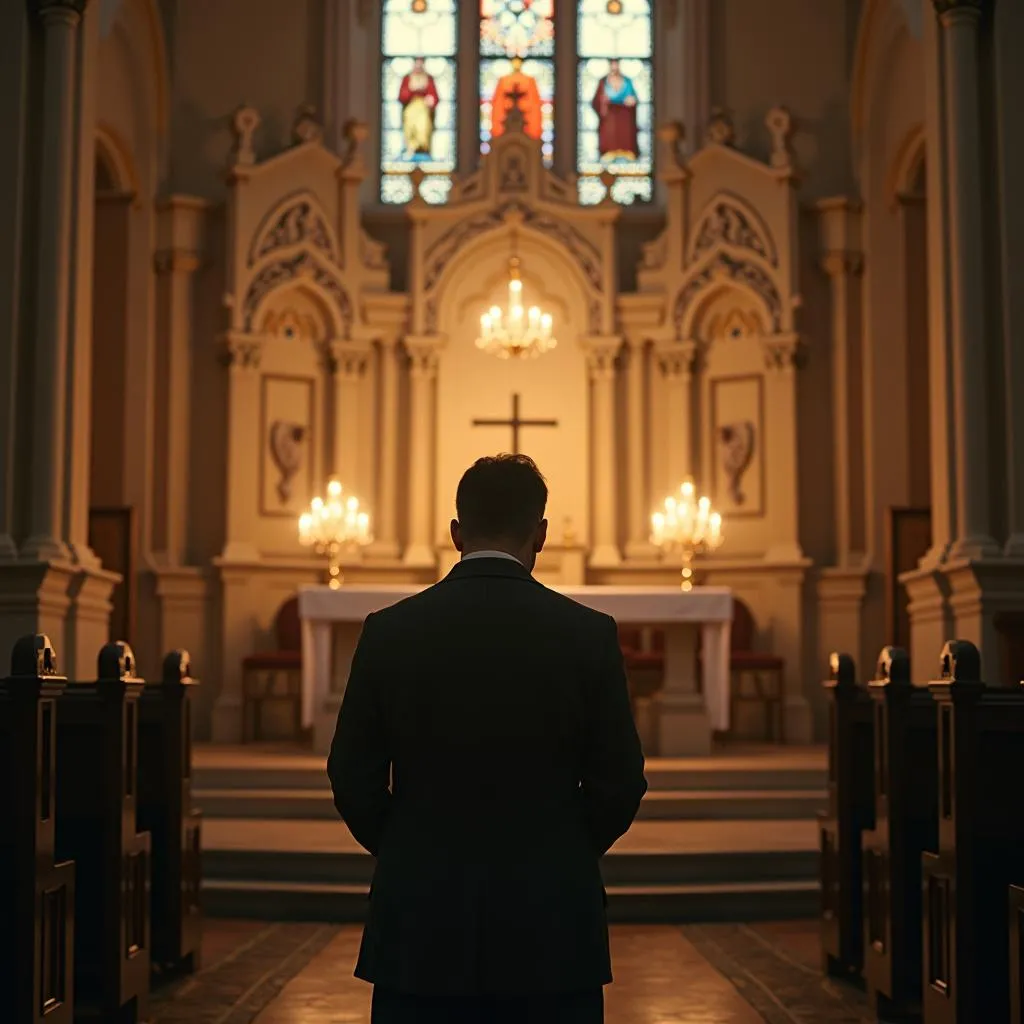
[{"x": 499, "y": 709}]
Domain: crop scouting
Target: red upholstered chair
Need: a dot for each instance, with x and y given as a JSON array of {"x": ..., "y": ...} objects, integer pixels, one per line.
[
  {"x": 274, "y": 677},
  {"x": 755, "y": 678},
  {"x": 634, "y": 652}
]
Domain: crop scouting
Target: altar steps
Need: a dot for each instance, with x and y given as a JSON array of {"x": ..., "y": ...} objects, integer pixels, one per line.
[{"x": 720, "y": 838}]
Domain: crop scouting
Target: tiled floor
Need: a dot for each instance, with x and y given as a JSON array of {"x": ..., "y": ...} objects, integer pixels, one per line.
[{"x": 255, "y": 973}]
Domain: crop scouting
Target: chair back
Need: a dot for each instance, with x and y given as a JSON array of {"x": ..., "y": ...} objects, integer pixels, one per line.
[
  {"x": 742, "y": 637},
  {"x": 287, "y": 627}
]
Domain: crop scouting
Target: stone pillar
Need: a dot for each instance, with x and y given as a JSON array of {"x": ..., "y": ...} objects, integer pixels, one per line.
[
  {"x": 348, "y": 364},
  {"x": 179, "y": 228},
  {"x": 54, "y": 235},
  {"x": 242, "y": 356},
  {"x": 604, "y": 544},
  {"x": 959, "y": 20},
  {"x": 843, "y": 264},
  {"x": 422, "y": 429},
  {"x": 638, "y": 496},
  {"x": 385, "y": 532},
  {"x": 676, "y": 362}
]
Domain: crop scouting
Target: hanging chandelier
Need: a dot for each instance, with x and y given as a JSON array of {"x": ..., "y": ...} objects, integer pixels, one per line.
[{"x": 516, "y": 332}]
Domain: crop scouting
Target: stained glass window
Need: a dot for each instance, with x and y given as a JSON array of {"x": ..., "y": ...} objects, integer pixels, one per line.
[
  {"x": 419, "y": 106},
  {"x": 614, "y": 99},
  {"x": 517, "y": 58}
]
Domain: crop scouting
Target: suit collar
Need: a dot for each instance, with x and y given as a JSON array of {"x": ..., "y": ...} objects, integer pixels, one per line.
[{"x": 507, "y": 568}]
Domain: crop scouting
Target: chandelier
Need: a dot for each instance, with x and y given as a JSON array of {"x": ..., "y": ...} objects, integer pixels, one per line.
[
  {"x": 687, "y": 527},
  {"x": 332, "y": 526},
  {"x": 515, "y": 332}
]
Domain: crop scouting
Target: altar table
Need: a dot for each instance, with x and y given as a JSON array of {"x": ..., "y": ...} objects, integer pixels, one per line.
[{"x": 686, "y": 718}]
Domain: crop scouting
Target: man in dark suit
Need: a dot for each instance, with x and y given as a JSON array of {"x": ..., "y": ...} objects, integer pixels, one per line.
[{"x": 499, "y": 710}]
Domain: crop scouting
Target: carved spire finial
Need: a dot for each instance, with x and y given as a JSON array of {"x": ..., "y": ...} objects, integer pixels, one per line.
[
  {"x": 720, "y": 130},
  {"x": 307, "y": 127},
  {"x": 244, "y": 125},
  {"x": 671, "y": 136},
  {"x": 780, "y": 124}
]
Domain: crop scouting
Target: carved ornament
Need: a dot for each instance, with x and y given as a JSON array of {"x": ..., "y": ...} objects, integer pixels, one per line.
[
  {"x": 244, "y": 125},
  {"x": 739, "y": 271},
  {"x": 374, "y": 254},
  {"x": 287, "y": 447},
  {"x": 307, "y": 127},
  {"x": 423, "y": 362},
  {"x": 678, "y": 359},
  {"x": 241, "y": 351},
  {"x": 736, "y": 448},
  {"x": 299, "y": 223},
  {"x": 601, "y": 363},
  {"x": 302, "y": 266},
  {"x": 783, "y": 352},
  {"x": 440, "y": 254},
  {"x": 780, "y": 125},
  {"x": 720, "y": 128},
  {"x": 727, "y": 223},
  {"x": 344, "y": 360}
]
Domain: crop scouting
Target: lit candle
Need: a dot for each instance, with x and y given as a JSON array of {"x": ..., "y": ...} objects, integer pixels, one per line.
[
  {"x": 658, "y": 528},
  {"x": 305, "y": 528},
  {"x": 334, "y": 488},
  {"x": 687, "y": 490},
  {"x": 716, "y": 528},
  {"x": 545, "y": 325},
  {"x": 534, "y": 317}
]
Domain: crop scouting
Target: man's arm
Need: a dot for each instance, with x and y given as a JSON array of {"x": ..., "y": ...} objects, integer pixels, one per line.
[
  {"x": 613, "y": 782},
  {"x": 359, "y": 765}
]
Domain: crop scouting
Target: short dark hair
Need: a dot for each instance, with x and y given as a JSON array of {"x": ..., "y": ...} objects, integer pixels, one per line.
[{"x": 501, "y": 497}]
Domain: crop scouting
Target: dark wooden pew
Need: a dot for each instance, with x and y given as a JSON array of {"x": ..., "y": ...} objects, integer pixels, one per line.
[
  {"x": 851, "y": 809},
  {"x": 906, "y": 824},
  {"x": 97, "y": 773},
  {"x": 981, "y": 843},
  {"x": 165, "y": 811},
  {"x": 37, "y": 895},
  {"x": 1016, "y": 949}
]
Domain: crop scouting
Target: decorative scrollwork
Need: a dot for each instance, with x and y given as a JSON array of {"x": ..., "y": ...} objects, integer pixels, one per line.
[
  {"x": 302, "y": 266},
  {"x": 300, "y": 222},
  {"x": 739, "y": 271},
  {"x": 441, "y": 253},
  {"x": 726, "y": 223}
]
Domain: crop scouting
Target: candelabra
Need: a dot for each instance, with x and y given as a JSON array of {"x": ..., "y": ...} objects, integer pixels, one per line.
[
  {"x": 515, "y": 332},
  {"x": 687, "y": 527},
  {"x": 333, "y": 526}
]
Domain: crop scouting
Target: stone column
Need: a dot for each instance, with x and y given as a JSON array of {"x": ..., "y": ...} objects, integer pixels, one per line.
[
  {"x": 676, "y": 361},
  {"x": 605, "y": 548},
  {"x": 386, "y": 513},
  {"x": 843, "y": 264},
  {"x": 241, "y": 354},
  {"x": 638, "y": 497},
  {"x": 422, "y": 429},
  {"x": 54, "y": 232},
  {"x": 179, "y": 228},
  {"x": 348, "y": 364},
  {"x": 959, "y": 20}
]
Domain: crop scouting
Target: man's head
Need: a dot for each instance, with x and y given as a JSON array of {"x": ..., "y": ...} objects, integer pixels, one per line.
[
  {"x": 500, "y": 507},
  {"x": 517, "y": 63},
  {"x": 613, "y": 67},
  {"x": 417, "y": 64}
]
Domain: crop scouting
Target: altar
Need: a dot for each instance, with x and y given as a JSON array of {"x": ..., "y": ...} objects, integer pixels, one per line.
[{"x": 686, "y": 714}]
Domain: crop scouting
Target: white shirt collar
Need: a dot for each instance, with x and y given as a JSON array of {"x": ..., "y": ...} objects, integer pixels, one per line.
[{"x": 490, "y": 554}]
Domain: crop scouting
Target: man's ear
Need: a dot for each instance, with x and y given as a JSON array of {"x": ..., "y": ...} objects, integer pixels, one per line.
[
  {"x": 540, "y": 537},
  {"x": 456, "y": 531}
]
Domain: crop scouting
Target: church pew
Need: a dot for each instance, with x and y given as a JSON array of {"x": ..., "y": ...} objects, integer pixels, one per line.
[
  {"x": 906, "y": 824},
  {"x": 981, "y": 842},
  {"x": 851, "y": 809},
  {"x": 165, "y": 811},
  {"x": 37, "y": 911},
  {"x": 1016, "y": 950},
  {"x": 97, "y": 765}
]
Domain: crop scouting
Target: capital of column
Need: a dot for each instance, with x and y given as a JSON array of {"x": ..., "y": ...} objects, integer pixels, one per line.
[
  {"x": 423, "y": 351},
  {"x": 69, "y": 9},
  {"x": 678, "y": 359},
  {"x": 955, "y": 7},
  {"x": 841, "y": 263},
  {"x": 240, "y": 351},
  {"x": 784, "y": 352},
  {"x": 345, "y": 360}
]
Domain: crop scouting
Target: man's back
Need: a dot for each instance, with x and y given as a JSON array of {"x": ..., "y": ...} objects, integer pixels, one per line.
[{"x": 501, "y": 708}]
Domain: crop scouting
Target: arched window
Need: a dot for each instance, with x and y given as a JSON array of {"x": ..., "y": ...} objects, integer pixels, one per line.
[
  {"x": 419, "y": 98},
  {"x": 614, "y": 98},
  {"x": 602, "y": 102},
  {"x": 517, "y": 58}
]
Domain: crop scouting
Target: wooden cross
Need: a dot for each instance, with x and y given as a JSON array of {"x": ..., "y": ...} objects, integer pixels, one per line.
[{"x": 516, "y": 422}]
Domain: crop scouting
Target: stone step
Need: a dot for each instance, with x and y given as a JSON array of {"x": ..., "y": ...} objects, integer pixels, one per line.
[
  {"x": 658, "y": 804},
  {"x": 640, "y": 904}
]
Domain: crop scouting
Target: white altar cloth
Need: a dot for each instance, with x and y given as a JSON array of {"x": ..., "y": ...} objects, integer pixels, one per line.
[{"x": 331, "y": 620}]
